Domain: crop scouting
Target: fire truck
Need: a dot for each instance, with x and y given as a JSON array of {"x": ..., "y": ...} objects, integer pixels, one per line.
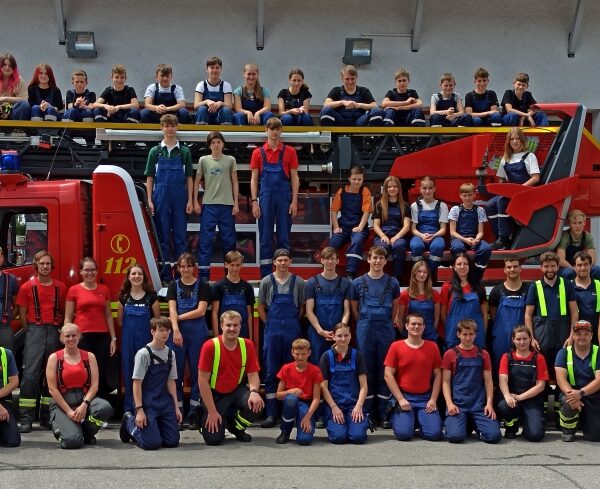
[{"x": 77, "y": 190}]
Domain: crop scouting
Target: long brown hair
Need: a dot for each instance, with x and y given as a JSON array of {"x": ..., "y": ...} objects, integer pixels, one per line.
[
  {"x": 508, "y": 151},
  {"x": 413, "y": 288},
  {"x": 258, "y": 91},
  {"x": 384, "y": 202}
]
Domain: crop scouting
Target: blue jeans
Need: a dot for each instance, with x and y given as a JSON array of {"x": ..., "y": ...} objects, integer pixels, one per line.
[
  {"x": 50, "y": 114},
  {"x": 78, "y": 115},
  {"x": 21, "y": 111}
]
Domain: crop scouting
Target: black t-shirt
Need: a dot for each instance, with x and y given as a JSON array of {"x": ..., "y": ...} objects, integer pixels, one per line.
[
  {"x": 405, "y": 211},
  {"x": 147, "y": 301},
  {"x": 500, "y": 291},
  {"x": 118, "y": 97},
  {"x": 395, "y": 96},
  {"x": 364, "y": 94},
  {"x": 51, "y": 95},
  {"x": 361, "y": 366},
  {"x": 187, "y": 291},
  {"x": 240, "y": 288},
  {"x": 488, "y": 95},
  {"x": 294, "y": 101},
  {"x": 521, "y": 105},
  {"x": 72, "y": 96}
]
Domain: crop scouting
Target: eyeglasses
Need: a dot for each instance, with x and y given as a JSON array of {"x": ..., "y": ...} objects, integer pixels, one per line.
[{"x": 89, "y": 270}]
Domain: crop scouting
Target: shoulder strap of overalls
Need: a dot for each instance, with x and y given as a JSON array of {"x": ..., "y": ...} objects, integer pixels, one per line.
[
  {"x": 5, "y": 316},
  {"x": 36, "y": 304},
  {"x": 387, "y": 288},
  {"x": 331, "y": 361},
  {"x": 154, "y": 357},
  {"x": 60, "y": 359},
  {"x": 86, "y": 363}
]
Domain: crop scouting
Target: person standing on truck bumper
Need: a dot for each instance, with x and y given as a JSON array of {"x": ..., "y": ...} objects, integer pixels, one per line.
[
  {"x": 276, "y": 166},
  {"x": 41, "y": 302},
  {"x": 169, "y": 184}
]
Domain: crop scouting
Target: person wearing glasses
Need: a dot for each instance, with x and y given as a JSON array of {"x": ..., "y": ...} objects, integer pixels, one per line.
[{"x": 88, "y": 306}]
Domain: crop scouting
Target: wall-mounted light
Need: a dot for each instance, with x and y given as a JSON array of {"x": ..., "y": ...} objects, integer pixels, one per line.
[
  {"x": 81, "y": 45},
  {"x": 358, "y": 51}
]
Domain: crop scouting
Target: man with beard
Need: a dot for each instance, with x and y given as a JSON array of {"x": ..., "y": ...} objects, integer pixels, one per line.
[
  {"x": 587, "y": 292},
  {"x": 551, "y": 308},
  {"x": 507, "y": 309}
]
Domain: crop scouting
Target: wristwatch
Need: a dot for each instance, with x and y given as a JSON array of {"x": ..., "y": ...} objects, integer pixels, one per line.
[
  {"x": 581, "y": 393},
  {"x": 253, "y": 390}
]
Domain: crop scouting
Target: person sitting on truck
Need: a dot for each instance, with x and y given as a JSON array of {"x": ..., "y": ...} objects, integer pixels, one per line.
[
  {"x": 447, "y": 108},
  {"x": 138, "y": 303},
  {"x": 517, "y": 105},
  {"x": 574, "y": 240},
  {"x": 80, "y": 100},
  {"x": 213, "y": 99},
  {"x": 117, "y": 103},
  {"x": 9, "y": 287},
  {"x": 353, "y": 202},
  {"x": 13, "y": 91},
  {"x": 350, "y": 104},
  {"x": 163, "y": 97},
  {"x": 169, "y": 185},
  {"x": 72, "y": 374},
  {"x": 88, "y": 304},
  {"x": 41, "y": 302},
  {"x": 45, "y": 97},
  {"x": 252, "y": 101},
  {"x": 9, "y": 381},
  {"x": 482, "y": 104},
  {"x": 219, "y": 201},
  {"x": 517, "y": 166},
  {"x": 294, "y": 101},
  {"x": 402, "y": 105}
]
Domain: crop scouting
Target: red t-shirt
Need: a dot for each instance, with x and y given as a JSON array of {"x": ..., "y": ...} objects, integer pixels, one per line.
[
  {"x": 304, "y": 380},
  {"x": 46, "y": 295},
  {"x": 90, "y": 307},
  {"x": 290, "y": 158},
  {"x": 449, "y": 360},
  {"x": 542, "y": 368},
  {"x": 414, "y": 366},
  {"x": 404, "y": 297},
  {"x": 229, "y": 365}
]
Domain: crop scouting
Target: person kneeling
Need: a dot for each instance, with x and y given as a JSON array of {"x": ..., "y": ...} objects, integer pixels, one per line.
[
  {"x": 72, "y": 375},
  {"x": 225, "y": 361},
  {"x": 157, "y": 413}
]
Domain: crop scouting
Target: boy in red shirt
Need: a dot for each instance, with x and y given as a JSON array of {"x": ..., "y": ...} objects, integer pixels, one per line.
[
  {"x": 414, "y": 376},
  {"x": 300, "y": 390},
  {"x": 226, "y": 400}
]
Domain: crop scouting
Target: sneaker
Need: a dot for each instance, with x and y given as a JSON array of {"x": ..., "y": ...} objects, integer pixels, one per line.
[
  {"x": 269, "y": 422},
  {"x": 56, "y": 434},
  {"x": 25, "y": 428},
  {"x": 385, "y": 424},
  {"x": 568, "y": 437},
  {"x": 283, "y": 438},
  {"x": 191, "y": 420},
  {"x": 495, "y": 124},
  {"x": 123, "y": 433},
  {"x": 510, "y": 434}
]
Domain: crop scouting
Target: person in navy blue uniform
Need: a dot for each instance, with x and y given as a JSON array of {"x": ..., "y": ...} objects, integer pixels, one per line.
[
  {"x": 275, "y": 167},
  {"x": 327, "y": 298},
  {"x": 463, "y": 298},
  {"x": 391, "y": 223},
  {"x": 213, "y": 99},
  {"x": 466, "y": 229},
  {"x": 374, "y": 303},
  {"x": 344, "y": 389},
  {"x": 119, "y": 102},
  {"x": 551, "y": 308},
  {"x": 350, "y": 104},
  {"x": 163, "y": 97},
  {"x": 507, "y": 309},
  {"x": 294, "y": 102},
  {"x": 578, "y": 377},
  {"x": 523, "y": 377},
  {"x": 138, "y": 303},
  {"x": 188, "y": 299},
  {"x": 280, "y": 307},
  {"x": 79, "y": 101},
  {"x": 353, "y": 202},
  {"x": 169, "y": 185},
  {"x": 429, "y": 221},
  {"x": 402, "y": 105},
  {"x": 154, "y": 423},
  {"x": 517, "y": 105},
  {"x": 587, "y": 293},
  {"x": 517, "y": 166},
  {"x": 446, "y": 108},
  {"x": 252, "y": 101},
  {"x": 468, "y": 388},
  {"x": 482, "y": 104},
  {"x": 9, "y": 381},
  {"x": 233, "y": 293}
]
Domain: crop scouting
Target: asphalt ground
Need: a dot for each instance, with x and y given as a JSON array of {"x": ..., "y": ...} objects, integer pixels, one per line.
[{"x": 382, "y": 462}]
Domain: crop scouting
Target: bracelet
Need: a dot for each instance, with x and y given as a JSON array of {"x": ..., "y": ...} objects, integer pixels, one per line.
[
  {"x": 137, "y": 408},
  {"x": 335, "y": 405},
  {"x": 86, "y": 402},
  {"x": 114, "y": 338},
  {"x": 253, "y": 390},
  {"x": 253, "y": 200}
]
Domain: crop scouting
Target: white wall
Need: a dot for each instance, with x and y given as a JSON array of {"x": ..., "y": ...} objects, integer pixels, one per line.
[{"x": 457, "y": 36}]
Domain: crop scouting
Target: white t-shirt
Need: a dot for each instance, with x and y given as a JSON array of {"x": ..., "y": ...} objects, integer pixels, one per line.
[
  {"x": 531, "y": 164},
  {"x": 414, "y": 210}
]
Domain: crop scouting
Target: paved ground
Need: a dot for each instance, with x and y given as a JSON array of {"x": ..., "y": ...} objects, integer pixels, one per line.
[{"x": 381, "y": 463}]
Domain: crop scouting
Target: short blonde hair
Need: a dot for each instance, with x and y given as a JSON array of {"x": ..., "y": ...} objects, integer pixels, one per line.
[{"x": 300, "y": 344}]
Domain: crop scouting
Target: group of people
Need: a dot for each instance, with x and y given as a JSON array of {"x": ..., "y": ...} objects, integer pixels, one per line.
[{"x": 215, "y": 101}]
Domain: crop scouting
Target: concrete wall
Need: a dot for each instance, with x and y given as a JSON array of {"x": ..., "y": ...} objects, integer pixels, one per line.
[{"x": 457, "y": 36}]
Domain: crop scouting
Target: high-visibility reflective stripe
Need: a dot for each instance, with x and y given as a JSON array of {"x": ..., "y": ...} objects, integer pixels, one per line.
[
  {"x": 26, "y": 403},
  {"x": 4, "y": 362},
  {"x": 562, "y": 297},
  {"x": 217, "y": 360},
  {"x": 511, "y": 422},
  {"x": 96, "y": 421},
  {"x": 568, "y": 422},
  {"x": 597, "y": 286},
  {"x": 571, "y": 370},
  {"x": 45, "y": 401}
]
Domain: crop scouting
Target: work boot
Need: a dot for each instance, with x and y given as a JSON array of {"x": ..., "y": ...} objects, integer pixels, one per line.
[
  {"x": 269, "y": 422},
  {"x": 568, "y": 437},
  {"x": 510, "y": 433},
  {"x": 25, "y": 427},
  {"x": 283, "y": 438},
  {"x": 191, "y": 420},
  {"x": 502, "y": 243},
  {"x": 123, "y": 432}
]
